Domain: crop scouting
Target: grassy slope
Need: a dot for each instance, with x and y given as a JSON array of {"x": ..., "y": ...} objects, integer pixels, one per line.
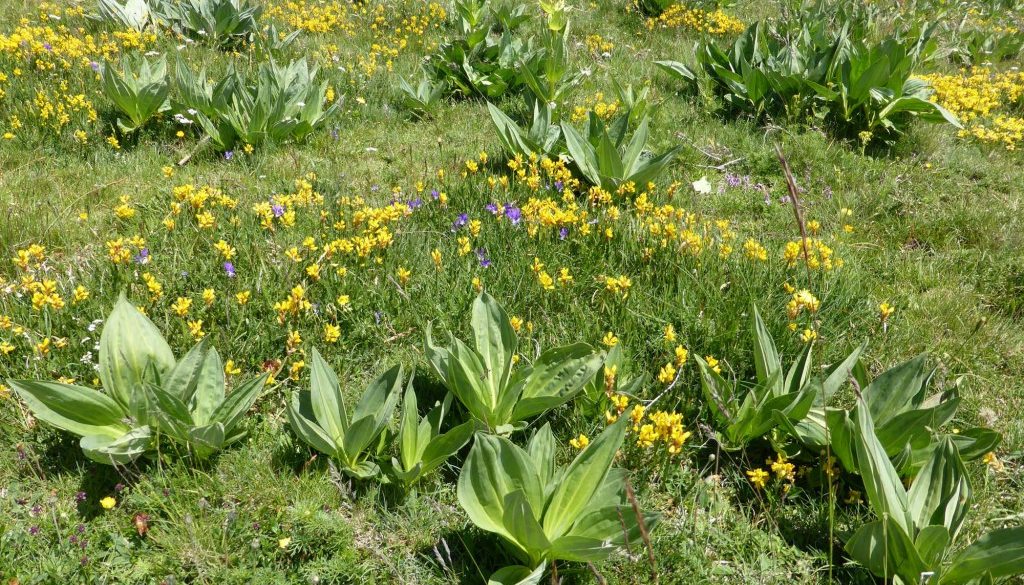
[{"x": 938, "y": 235}]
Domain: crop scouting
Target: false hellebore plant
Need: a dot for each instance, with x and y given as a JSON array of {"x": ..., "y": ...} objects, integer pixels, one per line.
[
  {"x": 913, "y": 538},
  {"x": 547, "y": 513},
  {"x": 320, "y": 417},
  {"x": 483, "y": 380},
  {"x": 146, "y": 391}
]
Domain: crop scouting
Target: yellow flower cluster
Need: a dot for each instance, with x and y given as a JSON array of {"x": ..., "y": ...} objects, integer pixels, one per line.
[
  {"x": 713, "y": 22},
  {"x": 661, "y": 426},
  {"x": 814, "y": 252},
  {"x": 986, "y": 102},
  {"x": 598, "y": 44},
  {"x": 389, "y": 36},
  {"x": 596, "y": 104},
  {"x": 49, "y": 48},
  {"x": 782, "y": 469}
]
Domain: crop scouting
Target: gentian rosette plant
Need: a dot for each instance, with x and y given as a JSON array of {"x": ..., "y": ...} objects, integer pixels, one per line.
[
  {"x": 146, "y": 392},
  {"x": 483, "y": 378},
  {"x": 320, "y": 418},
  {"x": 546, "y": 513}
]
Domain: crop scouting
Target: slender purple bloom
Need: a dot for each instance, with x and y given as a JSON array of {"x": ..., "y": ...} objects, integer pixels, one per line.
[
  {"x": 481, "y": 255},
  {"x": 514, "y": 214},
  {"x": 460, "y": 221},
  {"x": 559, "y": 186},
  {"x": 228, "y": 155},
  {"x": 415, "y": 203},
  {"x": 435, "y": 194},
  {"x": 142, "y": 257},
  {"x": 491, "y": 207},
  {"x": 229, "y": 269},
  {"x": 563, "y": 233},
  {"x": 278, "y": 209}
]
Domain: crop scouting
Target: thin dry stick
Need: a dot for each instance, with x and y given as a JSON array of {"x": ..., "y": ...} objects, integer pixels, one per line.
[
  {"x": 554, "y": 572},
  {"x": 597, "y": 575},
  {"x": 643, "y": 530},
  {"x": 795, "y": 199}
]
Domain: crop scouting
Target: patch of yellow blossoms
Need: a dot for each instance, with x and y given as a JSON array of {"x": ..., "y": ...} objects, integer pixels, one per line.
[
  {"x": 714, "y": 22},
  {"x": 986, "y": 102}
]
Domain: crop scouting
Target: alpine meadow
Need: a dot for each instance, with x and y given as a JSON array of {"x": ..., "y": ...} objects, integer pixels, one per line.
[{"x": 511, "y": 292}]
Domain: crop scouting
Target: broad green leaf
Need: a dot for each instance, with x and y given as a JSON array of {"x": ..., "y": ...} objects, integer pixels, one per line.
[
  {"x": 117, "y": 451},
  {"x": 766, "y": 357},
  {"x": 444, "y": 446},
  {"x": 885, "y": 549},
  {"x": 895, "y": 389},
  {"x": 409, "y": 430},
  {"x": 558, "y": 375},
  {"x": 541, "y": 449},
  {"x": 518, "y": 575},
  {"x": 466, "y": 380},
  {"x": 238, "y": 402},
  {"x": 520, "y": 520},
  {"x": 358, "y": 437},
  {"x": 582, "y": 479},
  {"x": 309, "y": 431},
  {"x": 183, "y": 378},
  {"x": 613, "y": 524},
  {"x": 129, "y": 345},
  {"x": 941, "y": 491},
  {"x": 79, "y": 410},
  {"x": 882, "y": 485},
  {"x": 999, "y": 553},
  {"x": 496, "y": 341},
  {"x": 206, "y": 440},
  {"x": 326, "y": 399},
  {"x": 931, "y": 544},
  {"x": 677, "y": 70},
  {"x": 840, "y": 374},
  {"x": 209, "y": 388},
  {"x": 582, "y": 153},
  {"x": 380, "y": 398},
  {"x": 495, "y": 467},
  {"x": 580, "y": 549}
]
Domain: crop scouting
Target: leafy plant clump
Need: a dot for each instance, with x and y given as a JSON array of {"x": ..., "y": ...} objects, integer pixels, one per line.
[
  {"x": 146, "y": 392},
  {"x": 545, "y": 512},
  {"x": 284, "y": 102},
  {"x": 484, "y": 381},
  {"x": 858, "y": 88}
]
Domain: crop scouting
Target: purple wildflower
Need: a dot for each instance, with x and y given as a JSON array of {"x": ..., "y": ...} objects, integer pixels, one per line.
[
  {"x": 119, "y": 487},
  {"x": 460, "y": 221},
  {"x": 435, "y": 194},
  {"x": 491, "y": 208},
  {"x": 34, "y": 530},
  {"x": 229, "y": 269},
  {"x": 415, "y": 203},
  {"x": 733, "y": 180},
  {"x": 228, "y": 155},
  {"x": 80, "y": 497},
  {"x": 142, "y": 257},
  {"x": 514, "y": 214},
  {"x": 94, "y": 65},
  {"x": 481, "y": 255},
  {"x": 48, "y": 46},
  {"x": 563, "y": 233},
  {"x": 278, "y": 209},
  {"x": 559, "y": 186}
]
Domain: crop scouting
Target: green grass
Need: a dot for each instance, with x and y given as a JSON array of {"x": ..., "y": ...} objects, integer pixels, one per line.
[{"x": 937, "y": 233}]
